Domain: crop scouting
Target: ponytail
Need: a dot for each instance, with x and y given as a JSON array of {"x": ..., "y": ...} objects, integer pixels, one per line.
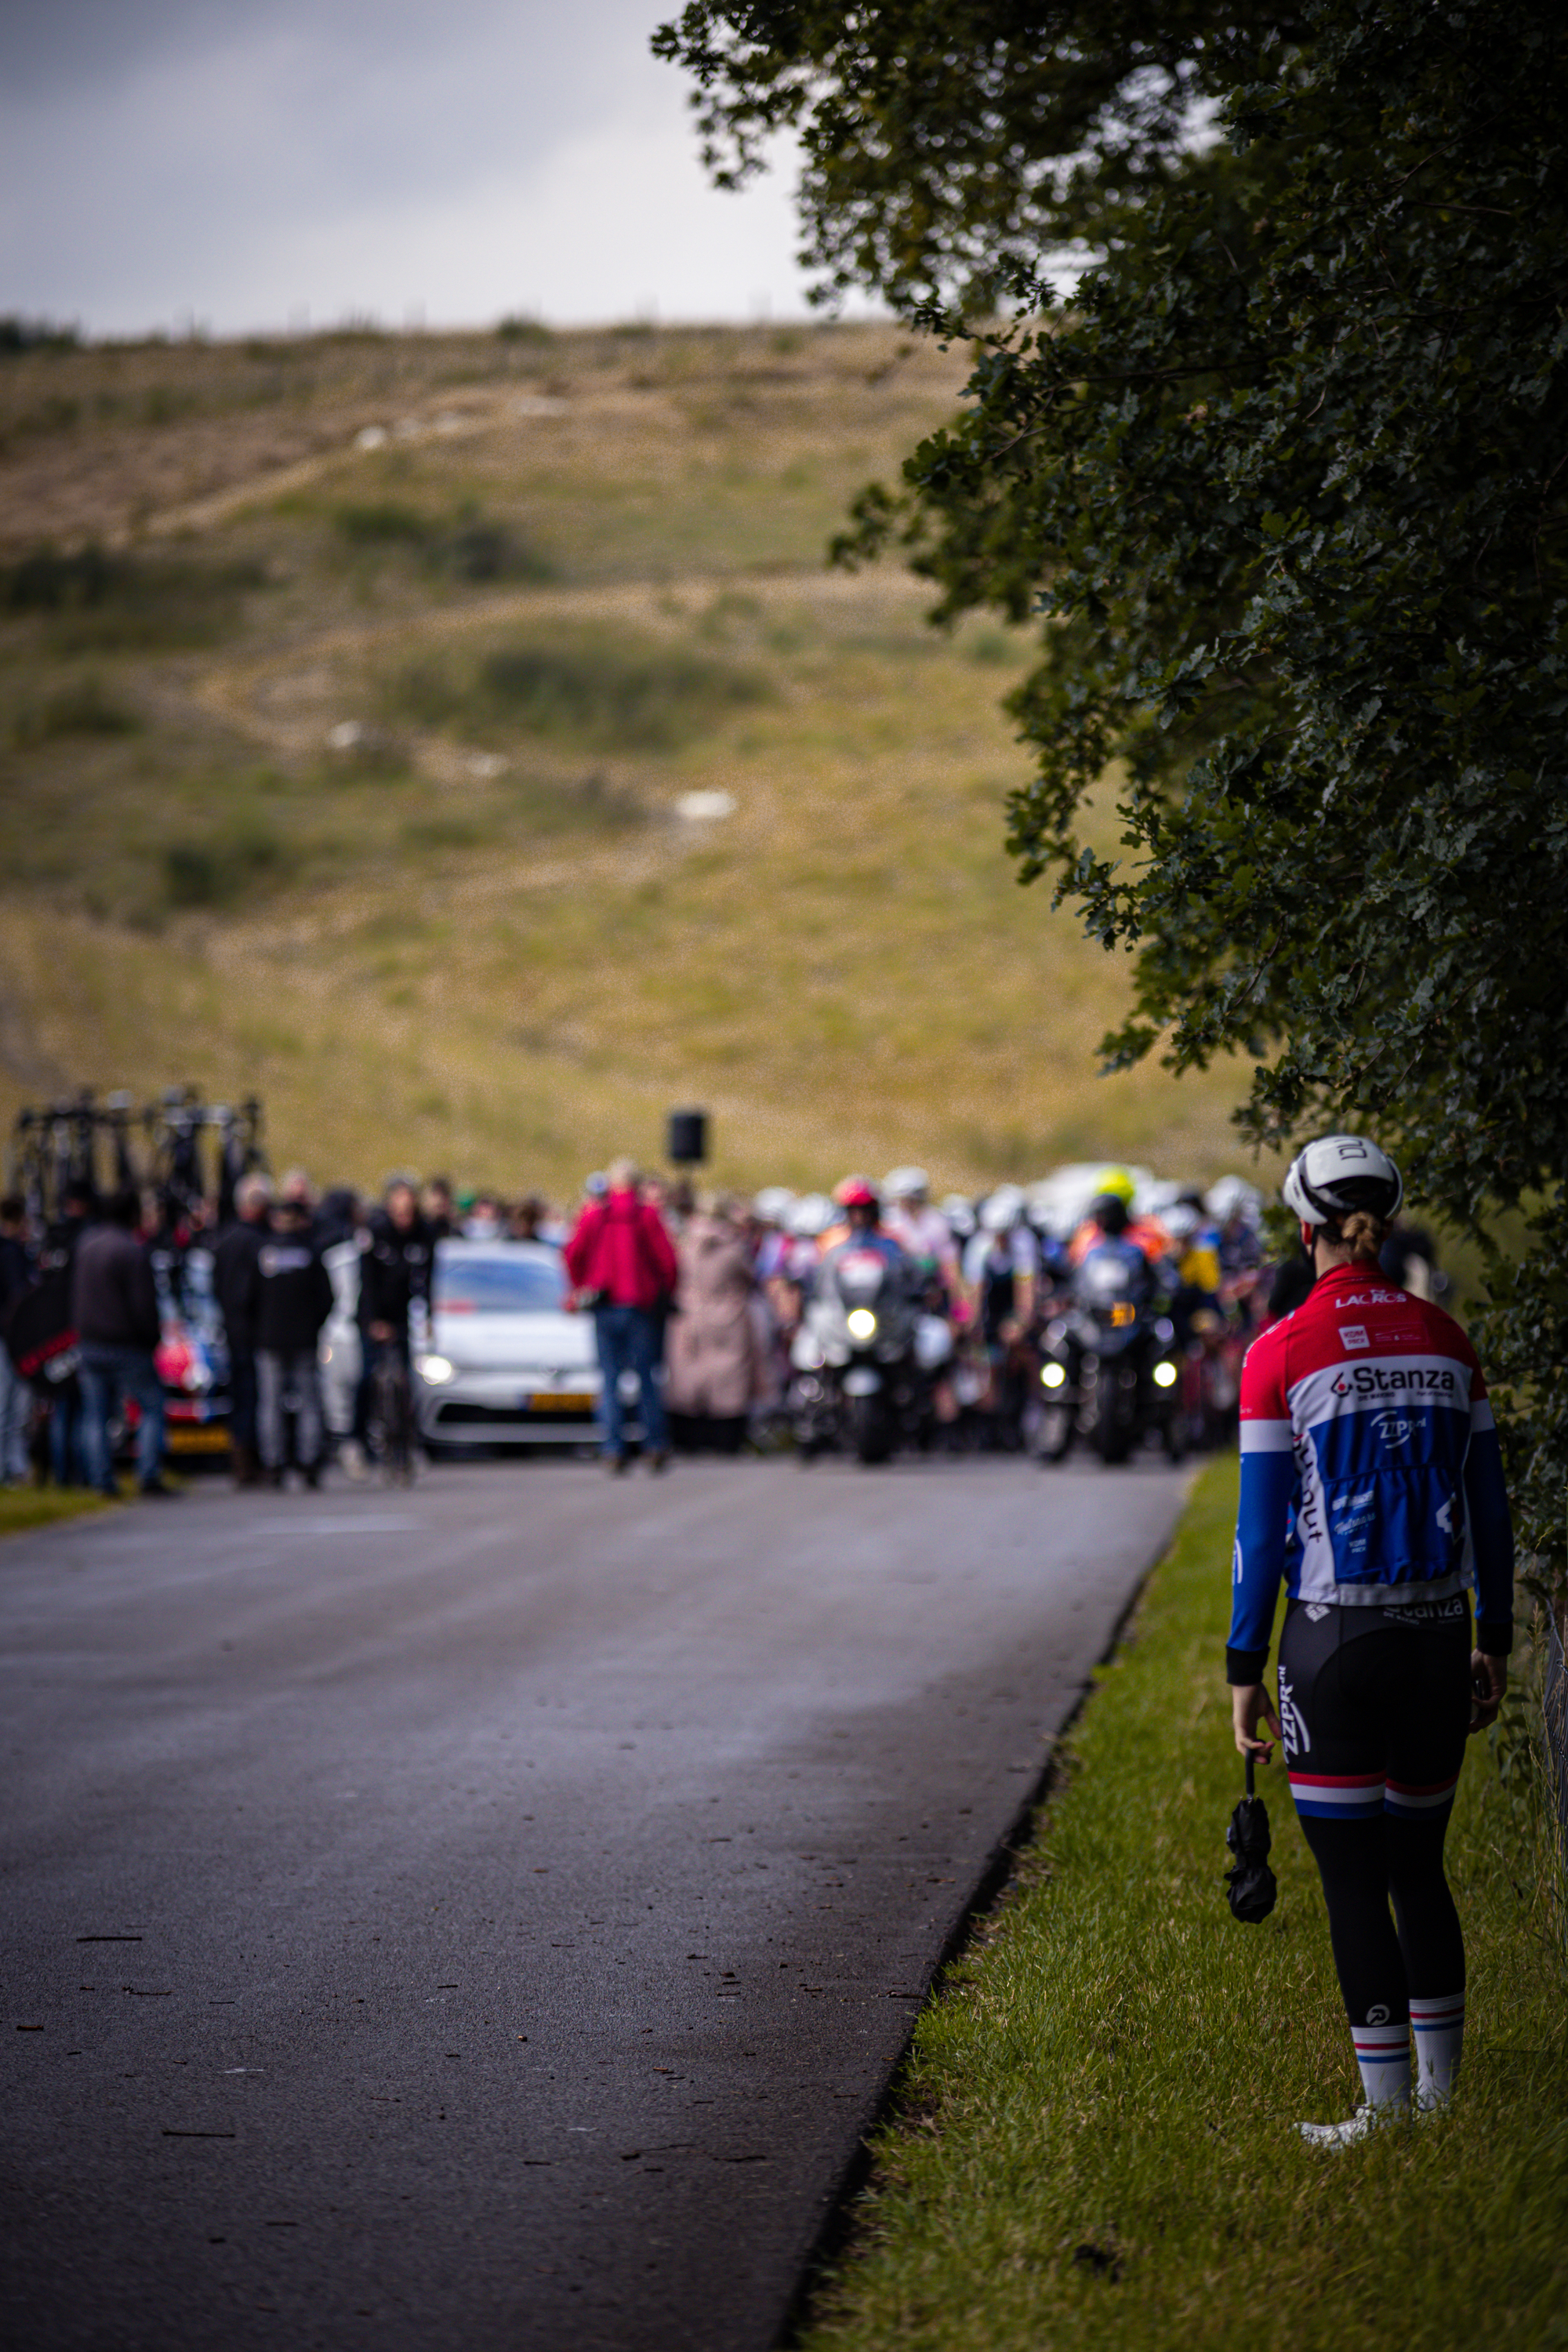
[{"x": 1363, "y": 1233}]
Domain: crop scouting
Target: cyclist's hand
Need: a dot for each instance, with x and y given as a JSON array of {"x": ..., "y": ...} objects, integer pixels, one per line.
[
  {"x": 1489, "y": 1680},
  {"x": 1250, "y": 1705}
]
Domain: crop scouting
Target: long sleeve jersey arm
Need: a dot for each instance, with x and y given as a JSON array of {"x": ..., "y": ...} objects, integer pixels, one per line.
[{"x": 1265, "y": 1518}]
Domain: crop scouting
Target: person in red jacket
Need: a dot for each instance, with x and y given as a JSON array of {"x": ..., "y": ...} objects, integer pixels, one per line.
[{"x": 622, "y": 1265}]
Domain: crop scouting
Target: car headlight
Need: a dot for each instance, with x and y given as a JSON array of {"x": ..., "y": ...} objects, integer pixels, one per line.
[
  {"x": 437, "y": 1370},
  {"x": 1053, "y": 1376},
  {"x": 862, "y": 1323},
  {"x": 1164, "y": 1376}
]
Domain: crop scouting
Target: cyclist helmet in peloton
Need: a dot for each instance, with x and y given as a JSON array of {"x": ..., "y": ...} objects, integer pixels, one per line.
[
  {"x": 1003, "y": 1210},
  {"x": 1118, "y": 1180},
  {"x": 1108, "y": 1212},
  {"x": 857, "y": 1192},
  {"x": 1338, "y": 1173},
  {"x": 809, "y": 1217}
]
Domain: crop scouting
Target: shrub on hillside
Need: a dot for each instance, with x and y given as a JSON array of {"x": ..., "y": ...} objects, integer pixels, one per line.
[
  {"x": 18, "y": 334},
  {"x": 625, "y": 693},
  {"x": 630, "y": 697},
  {"x": 226, "y": 868},
  {"x": 466, "y": 546},
  {"x": 80, "y": 707},
  {"x": 94, "y": 600}
]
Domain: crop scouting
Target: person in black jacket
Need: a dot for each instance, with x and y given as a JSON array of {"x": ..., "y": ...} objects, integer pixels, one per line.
[
  {"x": 235, "y": 1281},
  {"x": 394, "y": 1271},
  {"x": 15, "y": 1397},
  {"x": 114, "y": 1306},
  {"x": 293, "y": 1300},
  {"x": 51, "y": 1353}
]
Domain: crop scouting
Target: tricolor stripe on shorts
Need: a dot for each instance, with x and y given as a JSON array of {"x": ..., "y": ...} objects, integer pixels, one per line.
[
  {"x": 1418, "y": 1796},
  {"x": 1338, "y": 1795}
]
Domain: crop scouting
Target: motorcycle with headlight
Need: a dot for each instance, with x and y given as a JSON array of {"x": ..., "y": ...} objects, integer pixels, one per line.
[
  {"x": 866, "y": 1358},
  {"x": 1110, "y": 1367}
]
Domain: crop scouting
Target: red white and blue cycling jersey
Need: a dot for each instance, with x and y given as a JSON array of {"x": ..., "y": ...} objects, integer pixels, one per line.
[{"x": 1370, "y": 1470}]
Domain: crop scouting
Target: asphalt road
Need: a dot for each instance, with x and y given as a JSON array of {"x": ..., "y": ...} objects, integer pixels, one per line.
[{"x": 489, "y": 1917}]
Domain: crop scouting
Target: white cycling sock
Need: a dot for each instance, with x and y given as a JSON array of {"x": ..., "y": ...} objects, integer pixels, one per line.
[
  {"x": 1382, "y": 2053},
  {"x": 1439, "y": 2026}
]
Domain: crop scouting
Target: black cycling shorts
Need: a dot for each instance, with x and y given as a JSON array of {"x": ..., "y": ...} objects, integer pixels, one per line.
[{"x": 1375, "y": 1705}]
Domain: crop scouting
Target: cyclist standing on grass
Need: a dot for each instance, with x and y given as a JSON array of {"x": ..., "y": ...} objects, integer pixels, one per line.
[{"x": 1372, "y": 1481}]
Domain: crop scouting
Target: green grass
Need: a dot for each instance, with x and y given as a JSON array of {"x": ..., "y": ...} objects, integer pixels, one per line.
[
  {"x": 1096, "y": 2143},
  {"x": 22, "y": 1507}
]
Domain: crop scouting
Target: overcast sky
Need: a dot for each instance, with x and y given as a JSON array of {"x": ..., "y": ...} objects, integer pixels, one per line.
[{"x": 262, "y": 164}]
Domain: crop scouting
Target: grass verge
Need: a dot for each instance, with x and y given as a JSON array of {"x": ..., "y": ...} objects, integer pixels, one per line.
[
  {"x": 22, "y": 1507},
  {"x": 1095, "y": 2138}
]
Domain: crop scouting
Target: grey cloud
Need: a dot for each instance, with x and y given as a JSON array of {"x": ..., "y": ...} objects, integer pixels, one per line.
[{"x": 163, "y": 156}]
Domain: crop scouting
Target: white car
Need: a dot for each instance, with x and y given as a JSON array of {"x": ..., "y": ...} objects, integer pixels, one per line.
[{"x": 504, "y": 1363}]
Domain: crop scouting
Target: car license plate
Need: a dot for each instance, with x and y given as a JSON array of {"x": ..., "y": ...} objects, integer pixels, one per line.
[
  {"x": 195, "y": 1438},
  {"x": 556, "y": 1400}
]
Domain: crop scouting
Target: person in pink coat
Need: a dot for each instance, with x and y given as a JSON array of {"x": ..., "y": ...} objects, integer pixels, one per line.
[{"x": 622, "y": 1264}]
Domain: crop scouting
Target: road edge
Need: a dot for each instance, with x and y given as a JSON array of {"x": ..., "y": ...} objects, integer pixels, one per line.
[{"x": 834, "y": 2232}]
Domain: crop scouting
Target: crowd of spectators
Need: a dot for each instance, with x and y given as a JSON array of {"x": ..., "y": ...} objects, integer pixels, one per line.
[{"x": 694, "y": 1294}]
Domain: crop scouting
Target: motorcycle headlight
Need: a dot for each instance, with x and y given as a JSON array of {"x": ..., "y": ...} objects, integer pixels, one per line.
[
  {"x": 862, "y": 1323},
  {"x": 1053, "y": 1376},
  {"x": 437, "y": 1370},
  {"x": 1164, "y": 1376}
]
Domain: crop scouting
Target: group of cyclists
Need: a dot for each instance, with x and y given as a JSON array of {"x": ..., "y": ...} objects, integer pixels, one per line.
[{"x": 259, "y": 1287}]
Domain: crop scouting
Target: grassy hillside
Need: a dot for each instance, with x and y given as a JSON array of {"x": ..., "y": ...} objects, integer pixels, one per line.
[{"x": 350, "y": 695}]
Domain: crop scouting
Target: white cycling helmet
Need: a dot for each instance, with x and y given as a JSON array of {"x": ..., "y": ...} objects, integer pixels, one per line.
[
  {"x": 1234, "y": 1196},
  {"x": 959, "y": 1211},
  {"x": 772, "y": 1204},
  {"x": 1338, "y": 1173},
  {"x": 905, "y": 1183},
  {"x": 1003, "y": 1210},
  {"x": 809, "y": 1216}
]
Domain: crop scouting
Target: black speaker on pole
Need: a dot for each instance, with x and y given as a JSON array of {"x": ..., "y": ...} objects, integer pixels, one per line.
[{"x": 688, "y": 1138}]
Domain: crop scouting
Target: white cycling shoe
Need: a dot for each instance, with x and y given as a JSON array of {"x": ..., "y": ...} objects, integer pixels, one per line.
[{"x": 1355, "y": 2127}]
